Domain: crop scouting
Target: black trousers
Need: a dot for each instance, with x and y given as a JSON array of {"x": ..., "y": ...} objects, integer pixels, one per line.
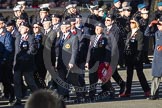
[
  {"x": 118, "y": 78},
  {"x": 7, "y": 79},
  {"x": 139, "y": 69},
  {"x": 39, "y": 77},
  {"x": 93, "y": 79},
  {"x": 71, "y": 79}
]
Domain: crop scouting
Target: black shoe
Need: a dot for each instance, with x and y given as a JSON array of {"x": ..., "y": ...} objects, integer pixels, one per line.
[
  {"x": 153, "y": 98},
  {"x": 17, "y": 102},
  {"x": 112, "y": 94},
  {"x": 122, "y": 88}
]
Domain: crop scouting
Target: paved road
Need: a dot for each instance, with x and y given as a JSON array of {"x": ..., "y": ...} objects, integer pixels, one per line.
[{"x": 136, "y": 100}]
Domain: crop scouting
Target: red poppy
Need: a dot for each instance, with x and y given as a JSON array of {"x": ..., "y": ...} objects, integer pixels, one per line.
[
  {"x": 74, "y": 32},
  {"x": 68, "y": 37}
]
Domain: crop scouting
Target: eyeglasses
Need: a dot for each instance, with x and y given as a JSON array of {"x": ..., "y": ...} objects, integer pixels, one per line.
[
  {"x": 159, "y": 24},
  {"x": 132, "y": 22},
  {"x": 35, "y": 27},
  {"x": 127, "y": 10},
  {"x": 107, "y": 20}
]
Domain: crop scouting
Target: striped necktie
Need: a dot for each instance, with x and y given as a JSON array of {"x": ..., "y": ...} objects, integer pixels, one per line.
[{"x": 95, "y": 41}]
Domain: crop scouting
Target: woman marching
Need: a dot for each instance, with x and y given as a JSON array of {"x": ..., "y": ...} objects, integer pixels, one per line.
[{"x": 133, "y": 56}]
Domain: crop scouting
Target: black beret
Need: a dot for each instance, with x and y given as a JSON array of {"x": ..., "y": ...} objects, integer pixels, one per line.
[
  {"x": 65, "y": 23},
  {"x": 25, "y": 24},
  {"x": 22, "y": 16},
  {"x": 100, "y": 25},
  {"x": 112, "y": 17},
  {"x": 2, "y": 19},
  {"x": 10, "y": 23},
  {"x": 38, "y": 23},
  {"x": 46, "y": 19},
  {"x": 55, "y": 15}
]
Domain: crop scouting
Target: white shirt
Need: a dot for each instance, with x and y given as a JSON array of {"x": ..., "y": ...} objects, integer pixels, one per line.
[
  {"x": 55, "y": 26},
  {"x": 108, "y": 28},
  {"x": 46, "y": 31},
  {"x": 133, "y": 31},
  {"x": 65, "y": 35},
  {"x": 1, "y": 30},
  {"x": 24, "y": 35}
]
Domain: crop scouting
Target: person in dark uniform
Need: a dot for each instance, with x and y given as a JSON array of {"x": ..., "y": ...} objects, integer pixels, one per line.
[
  {"x": 112, "y": 28},
  {"x": 23, "y": 6},
  {"x": 158, "y": 13},
  {"x": 114, "y": 9},
  {"x": 68, "y": 46},
  {"x": 98, "y": 52},
  {"x": 81, "y": 53},
  {"x": 56, "y": 19},
  {"x": 19, "y": 20},
  {"x": 18, "y": 13},
  {"x": 71, "y": 11},
  {"x": 156, "y": 64},
  {"x": 40, "y": 72},
  {"x": 133, "y": 53},
  {"x": 49, "y": 38},
  {"x": 143, "y": 25},
  {"x": 84, "y": 39},
  {"x": 92, "y": 19},
  {"x": 43, "y": 13},
  {"x": 24, "y": 61},
  {"x": 141, "y": 7},
  {"x": 6, "y": 58},
  {"x": 127, "y": 16},
  {"x": 10, "y": 26}
]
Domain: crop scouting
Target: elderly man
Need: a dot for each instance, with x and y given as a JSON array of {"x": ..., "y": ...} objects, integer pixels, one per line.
[
  {"x": 98, "y": 52},
  {"x": 24, "y": 61},
  {"x": 68, "y": 46}
]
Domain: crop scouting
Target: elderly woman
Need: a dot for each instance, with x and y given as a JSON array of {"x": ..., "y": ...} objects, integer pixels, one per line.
[{"x": 133, "y": 55}]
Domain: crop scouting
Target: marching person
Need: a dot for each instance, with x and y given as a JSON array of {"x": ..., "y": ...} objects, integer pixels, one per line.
[
  {"x": 6, "y": 59},
  {"x": 143, "y": 25},
  {"x": 134, "y": 56},
  {"x": 24, "y": 61},
  {"x": 68, "y": 46},
  {"x": 156, "y": 64},
  {"x": 92, "y": 19},
  {"x": 99, "y": 51},
  {"x": 40, "y": 72},
  {"x": 113, "y": 30},
  {"x": 50, "y": 37},
  {"x": 84, "y": 39}
]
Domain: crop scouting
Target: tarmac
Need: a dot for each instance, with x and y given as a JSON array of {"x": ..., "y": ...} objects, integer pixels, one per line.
[{"x": 136, "y": 100}]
